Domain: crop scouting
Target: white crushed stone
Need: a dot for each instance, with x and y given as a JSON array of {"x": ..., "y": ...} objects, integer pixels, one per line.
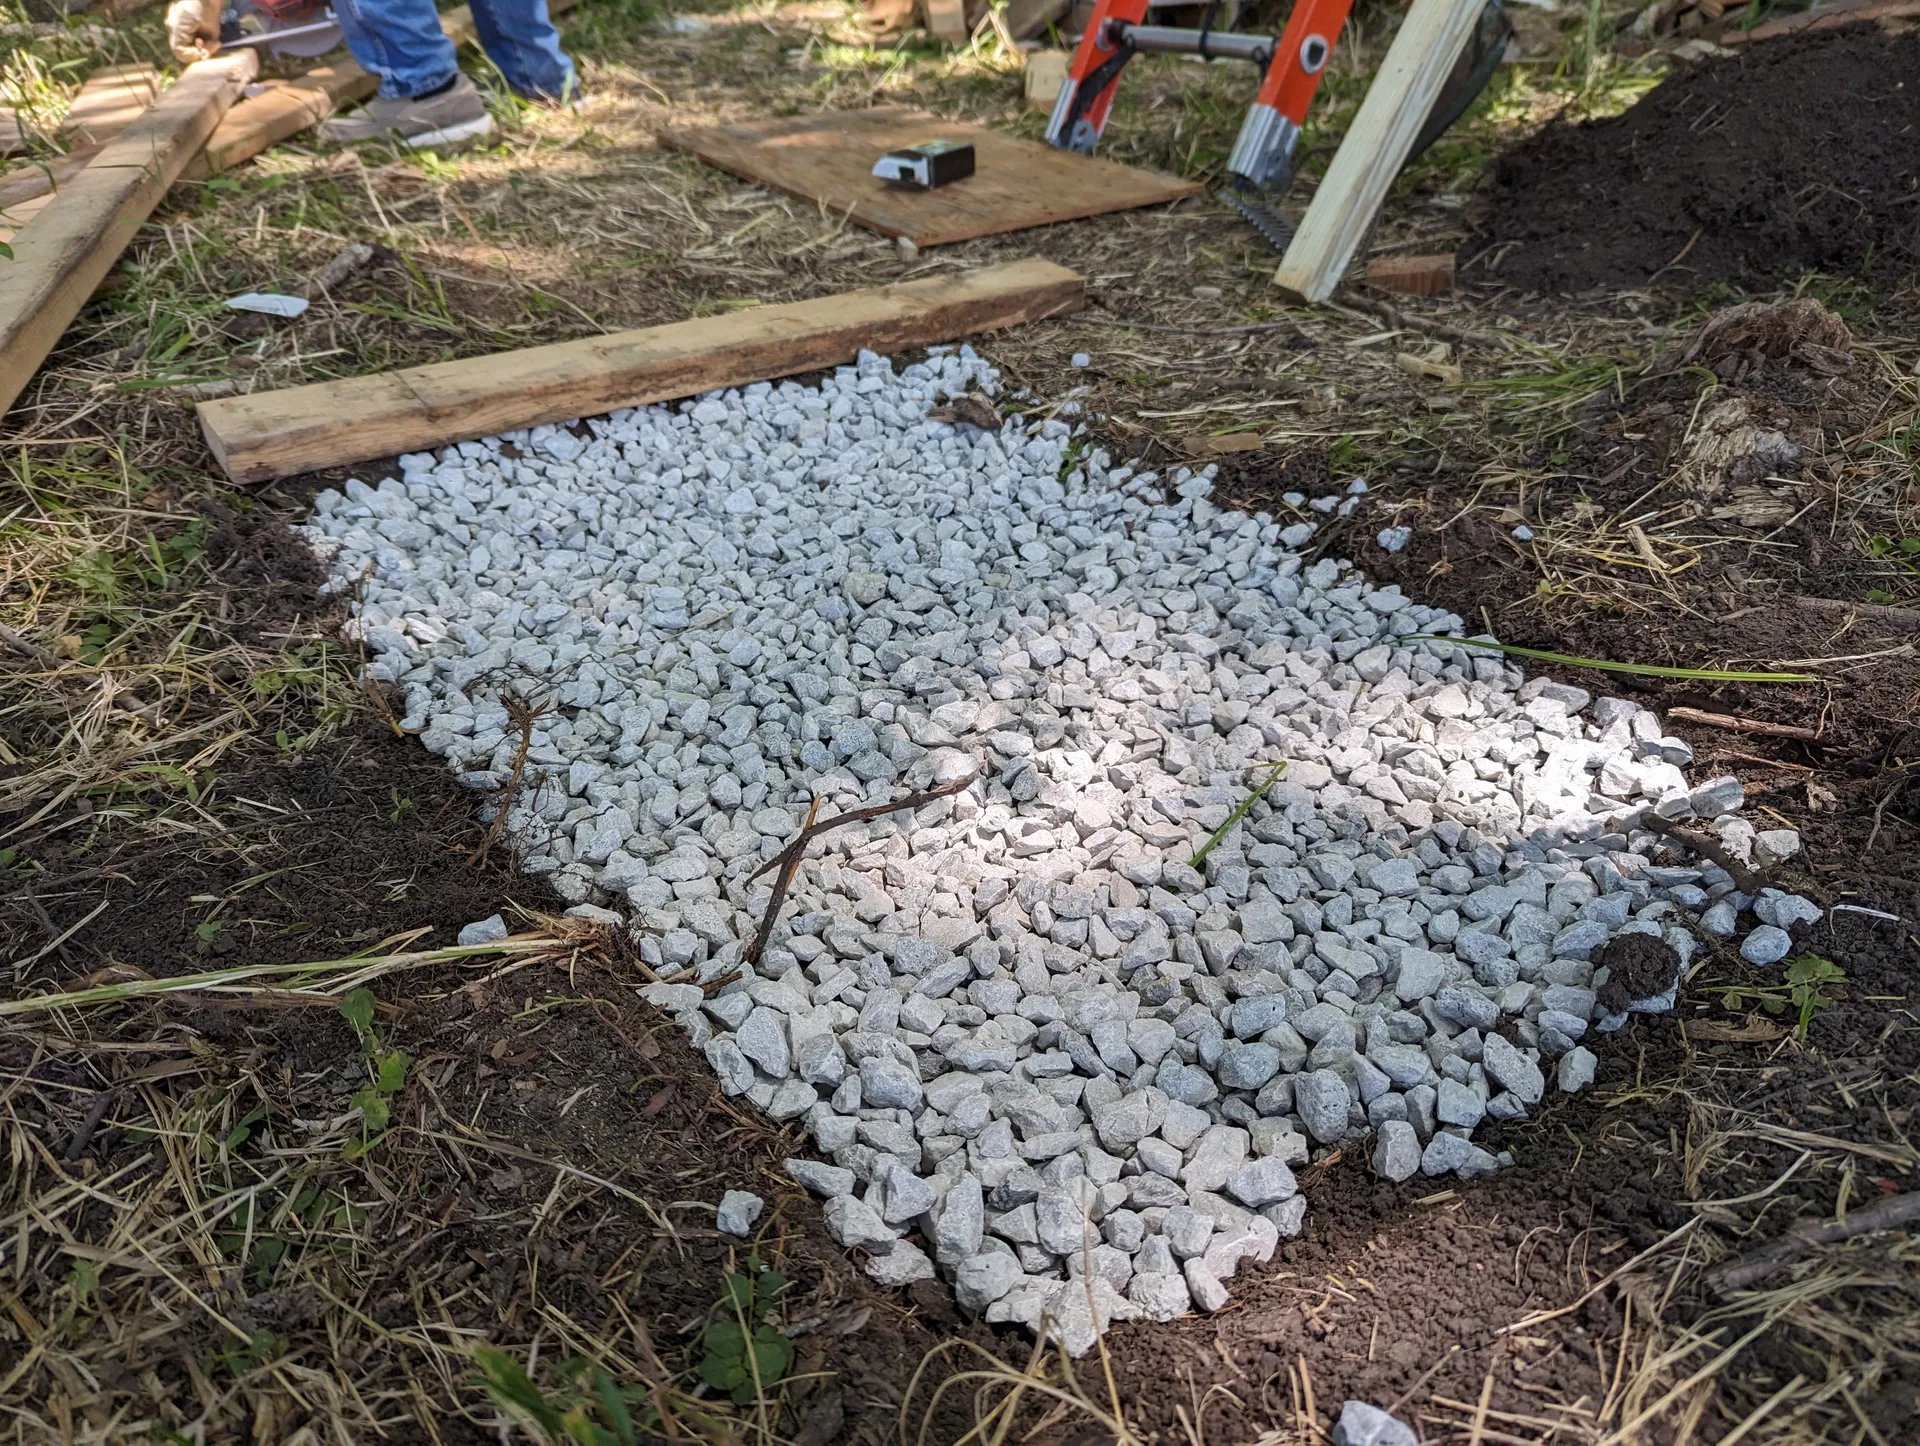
[{"x": 1045, "y": 1055}]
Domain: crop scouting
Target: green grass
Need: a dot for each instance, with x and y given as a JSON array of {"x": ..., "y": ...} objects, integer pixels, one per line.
[{"x": 1639, "y": 670}]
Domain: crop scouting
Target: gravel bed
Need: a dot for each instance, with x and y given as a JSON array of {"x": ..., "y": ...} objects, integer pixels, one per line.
[{"x": 1037, "y": 1049}]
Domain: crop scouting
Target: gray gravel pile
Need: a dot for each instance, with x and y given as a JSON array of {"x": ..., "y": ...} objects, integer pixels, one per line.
[{"x": 1038, "y": 1051}]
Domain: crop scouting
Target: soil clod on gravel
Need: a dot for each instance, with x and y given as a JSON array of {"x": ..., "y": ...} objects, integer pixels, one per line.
[{"x": 1797, "y": 154}]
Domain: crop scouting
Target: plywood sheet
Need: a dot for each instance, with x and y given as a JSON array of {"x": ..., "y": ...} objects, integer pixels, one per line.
[{"x": 827, "y": 158}]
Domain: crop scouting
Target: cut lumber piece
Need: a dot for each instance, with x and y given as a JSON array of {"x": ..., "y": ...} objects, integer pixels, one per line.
[
  {"x": 74, "y": 241},
  {"x": 827, "y": 159},
  {"x": 1046, "y": 75},
  {"x": 1827, "y": 17},
  {"x": 947, "y": 20},
  {"x": 106, "y": 101},
  {"x": 1412, "y": 275},
  {"x": 99, "y": 113},
  {"x": 1377, "y": 144},
  {"x": 278, "y": 434}
]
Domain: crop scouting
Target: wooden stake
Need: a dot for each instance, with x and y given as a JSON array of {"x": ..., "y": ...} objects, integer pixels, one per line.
[
  {"x": 1397, "y": 104},
  {"x": 74, "y": 242},
  {"x": 278, "y": 434}
]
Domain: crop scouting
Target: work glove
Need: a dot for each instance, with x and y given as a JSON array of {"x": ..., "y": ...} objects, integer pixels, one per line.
[{"x": 193, "y": 29}]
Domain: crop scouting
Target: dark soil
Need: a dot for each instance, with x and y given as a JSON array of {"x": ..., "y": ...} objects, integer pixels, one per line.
[{"x": 1796, "y": 154}]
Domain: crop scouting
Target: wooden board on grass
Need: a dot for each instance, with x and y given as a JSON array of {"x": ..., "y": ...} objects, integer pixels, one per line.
[
  {"x": 106, "y": 101},
  {"x": 60, "y": 258},
  {"x": 828, "y": 159},
  {"x": 278, "y": 434},
  {"x": 106, "y": 104}
]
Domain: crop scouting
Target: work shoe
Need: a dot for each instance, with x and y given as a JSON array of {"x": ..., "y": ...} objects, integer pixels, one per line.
[{"x": 456, "y": 114}]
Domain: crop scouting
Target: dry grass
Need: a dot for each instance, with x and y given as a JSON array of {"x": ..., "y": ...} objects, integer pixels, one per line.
[{"x": 195, "y": 1254}]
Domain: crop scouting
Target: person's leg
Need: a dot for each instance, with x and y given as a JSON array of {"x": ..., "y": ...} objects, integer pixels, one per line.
[
  {"x": 520, "y": 37},
  {"x": 401, "y": 42}
]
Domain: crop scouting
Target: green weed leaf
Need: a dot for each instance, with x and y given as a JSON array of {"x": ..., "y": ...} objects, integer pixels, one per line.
[
  {"x": 357, "y": 1010},
  {"x": 390, "y": 1071}
]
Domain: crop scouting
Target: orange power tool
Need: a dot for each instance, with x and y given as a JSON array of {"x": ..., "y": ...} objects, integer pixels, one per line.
[{"x": 1260, "y": 167}]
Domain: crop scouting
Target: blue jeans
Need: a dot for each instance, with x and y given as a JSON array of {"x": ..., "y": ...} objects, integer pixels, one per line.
[{"x": 401, "y": 42}]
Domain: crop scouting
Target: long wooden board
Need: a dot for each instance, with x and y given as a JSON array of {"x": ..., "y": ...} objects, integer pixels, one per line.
[
  {"x": 74, "y": 242},
  {"x": 1377, "y": 145},
  {"x": 1017, "y": 184},
  {"x": 105, "y": 105},
  {"x": 278, "y": 434},
  {"x": 107, "y": 102}
]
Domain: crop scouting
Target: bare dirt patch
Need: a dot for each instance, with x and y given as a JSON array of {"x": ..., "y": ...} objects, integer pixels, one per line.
[{"x": 1795, "y": 154}]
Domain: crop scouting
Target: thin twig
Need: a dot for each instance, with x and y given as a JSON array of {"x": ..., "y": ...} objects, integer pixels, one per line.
[
  {"x": 1889, "y": 1214},
  {"x": 1749, "y": 881},
  {"x": 1735, "y": 724},
  {"x": 788, "y": 859}
]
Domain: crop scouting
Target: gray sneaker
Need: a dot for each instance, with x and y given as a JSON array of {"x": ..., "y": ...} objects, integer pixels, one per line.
[{"x": 456, "y": 114}]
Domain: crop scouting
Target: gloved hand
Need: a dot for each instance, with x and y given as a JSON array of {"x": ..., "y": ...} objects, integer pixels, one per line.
[{"x": 193, "y": 29}]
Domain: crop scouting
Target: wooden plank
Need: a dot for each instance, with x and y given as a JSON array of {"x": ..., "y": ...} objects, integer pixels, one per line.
[
  {"x": 947, "y": 20},
  {"x": 1377, "y": 144},
  {"x": 107, "y": 101},
  {"x": 104, "y": 106},
  {"x": 1046, "y": 77},
  {"x": 1826, "y": 17},
  {"x": 1412, "y": 275},
  {"x": 828, "y": 158},
  {"x": 74, "y": 242},
  {"x": 278, "y": 434}
]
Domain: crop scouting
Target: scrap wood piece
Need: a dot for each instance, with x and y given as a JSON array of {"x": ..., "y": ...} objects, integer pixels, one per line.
[
  {"x": 74, "y": 242},
  {"x": 1412, "y": 275},
  {"x": 827, "y": 159},
  {"x": 1827, "y": 17},
  {"x": 947, "y": 20},
  {"x": 1424, "y": 49},
  {"x": 276, "y": 434},
  {"x": 1046, "y": 77},
  {"x": 1895, "y": 1212}
]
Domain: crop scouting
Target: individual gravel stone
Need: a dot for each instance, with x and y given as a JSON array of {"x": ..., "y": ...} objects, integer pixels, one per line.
[
  {"x": 1031, "y": 1037},
  {"x": 1204, "y": 1286},
  {"x": 1360, "y": 1424},
  {"x": 1576, "y": 1069},
  {"x": 737, "y": 1213},
  {"x": 1766, "y": 944},
  {"x": 1323, "y": 1100},
  {"x": 481, "y": 931},
  {"x": 822, "y": 1179},
  {"x": 1396, "y": 1151}
]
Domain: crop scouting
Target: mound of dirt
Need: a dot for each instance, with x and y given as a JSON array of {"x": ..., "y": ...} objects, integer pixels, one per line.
[{"x": 1792, "y": 155}]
